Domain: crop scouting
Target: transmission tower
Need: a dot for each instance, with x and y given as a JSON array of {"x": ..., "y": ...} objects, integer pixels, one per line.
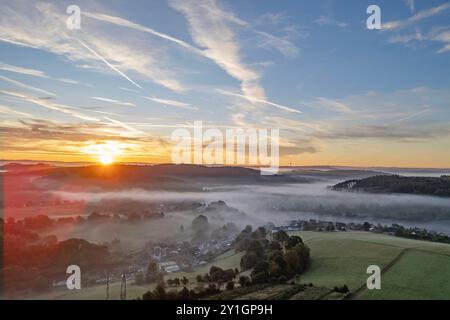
[{"x": 107, "y": 288}]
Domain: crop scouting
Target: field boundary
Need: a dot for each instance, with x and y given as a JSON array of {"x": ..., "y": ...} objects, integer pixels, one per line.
[{"x": 385, "y": 269}]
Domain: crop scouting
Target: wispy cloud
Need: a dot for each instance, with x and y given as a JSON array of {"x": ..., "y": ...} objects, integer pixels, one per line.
[
  {"x": 283, "y": 45},
  {"x": 26, "y": 86},
  {"x": 411, "y": 5},
  {"x": 49, "y": 105},
  {"x": 211, "y": 28},
  {"x": 10, "y": 111},
  {"x": 42, "y": 26},
  {"x": 126, "y": 23},
  {"x": 443, "y": 36},
  {"x": 415, "y": 114},
  {"x": 424, "y": 14},
  {"x": 129, "y": 90},
  {"x": 172, "y": 103},
  {"x": 325, "y": 103},
  {"x": 221, "y": 46},
  {"x": 256, "y": 100},
  {"x": 36, "y": 73},
  {"x": 123, "y": 125},
  {"x": 329, "y": 22},
  {"x": 108, "y": 64},
  {"x": 128, "y": 104}
]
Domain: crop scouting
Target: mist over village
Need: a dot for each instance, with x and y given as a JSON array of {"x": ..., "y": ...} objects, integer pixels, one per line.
[{"x": 215, "y": 150}]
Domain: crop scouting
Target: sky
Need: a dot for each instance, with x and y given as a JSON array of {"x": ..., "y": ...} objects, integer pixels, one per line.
[{"x": 135, "y": 71}]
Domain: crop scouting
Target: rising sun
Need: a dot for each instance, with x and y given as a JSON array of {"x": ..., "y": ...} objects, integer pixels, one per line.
[{"x": 105, "y": 159}]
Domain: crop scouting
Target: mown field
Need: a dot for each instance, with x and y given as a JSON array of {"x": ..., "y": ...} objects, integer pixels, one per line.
[
  {"x": 417, "y": 269},
  {"x": 417, "y": 275},
  {"x": 411, "y": 269}
]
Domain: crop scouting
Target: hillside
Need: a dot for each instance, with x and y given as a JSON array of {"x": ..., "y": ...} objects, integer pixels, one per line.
[
  {"x": 434, "y": 186},
  {"x": 411, "y": 269}
]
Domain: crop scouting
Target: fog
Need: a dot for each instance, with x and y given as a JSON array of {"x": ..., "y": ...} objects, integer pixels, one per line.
[{"x": 272, "y": 203}]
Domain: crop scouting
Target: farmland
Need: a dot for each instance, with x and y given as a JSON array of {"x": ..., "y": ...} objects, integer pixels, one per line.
[{"x": 411, "y": 269}]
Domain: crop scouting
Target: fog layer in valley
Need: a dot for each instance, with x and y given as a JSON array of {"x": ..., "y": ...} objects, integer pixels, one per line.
[{"x": 272, "y": 203}]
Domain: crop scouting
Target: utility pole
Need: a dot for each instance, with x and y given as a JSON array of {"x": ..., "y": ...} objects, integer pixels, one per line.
[{"x": 123, "y": 287}]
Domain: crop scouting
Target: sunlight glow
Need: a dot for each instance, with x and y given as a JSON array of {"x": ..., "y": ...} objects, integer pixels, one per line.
[
  {"x": 104, "y": 152},
  {"x": 105, "y": 159}
]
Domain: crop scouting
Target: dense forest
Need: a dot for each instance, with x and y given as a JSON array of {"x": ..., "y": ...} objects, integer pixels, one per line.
[{"x": 434, "y": 186}]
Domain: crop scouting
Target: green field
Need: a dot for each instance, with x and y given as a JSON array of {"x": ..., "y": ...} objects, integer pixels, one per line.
[
  {"x": 338, "y": 258},
  {"x": 417, "y": 275},
  {"x": 410, "y": 269}
]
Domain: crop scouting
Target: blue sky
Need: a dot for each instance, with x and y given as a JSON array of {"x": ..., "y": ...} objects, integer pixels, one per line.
[{"x": 339, "y": 93}]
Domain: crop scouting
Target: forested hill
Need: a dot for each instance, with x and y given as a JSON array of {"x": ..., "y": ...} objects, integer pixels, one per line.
[{"x": 436, "y": 186}]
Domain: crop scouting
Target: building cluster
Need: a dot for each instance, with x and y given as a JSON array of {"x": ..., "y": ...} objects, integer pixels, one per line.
[
  {"x": 184, "y": 256},
  {"x": 393, "y": 230}
]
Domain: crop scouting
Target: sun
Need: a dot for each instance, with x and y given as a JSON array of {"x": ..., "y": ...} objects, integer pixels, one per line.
[{"x": 105, "y": 159}]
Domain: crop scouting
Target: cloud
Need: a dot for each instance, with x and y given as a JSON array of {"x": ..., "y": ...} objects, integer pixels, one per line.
[
  {"x": 443, "y": 36},
  {"x": 389, "y": 132},
  {"x": 256, "y": 100},
  {"x": 126, "y": 23},
  {"x": 424, "y": 14},
  {"x": 410, "y": 4},
  {"x": 49, "y": 105},
  {"x": 128, "y": 104},
  {"x": 123, "y": 125},
  {"x": 39, "y": 137},
  {"x": 219, "y": 46},
  {"x": 297, "y": 147},
  {"x": 272, "y": 18},
  {"x": 172, "y": 103},
  {"x": 326, "y": 103},
  {"x": 415, "y": 114},
  {"x": 26, "y": 86},
  {"x": 43, "y": 26},
  {"x": 10, "y": 111},
  {"x": 26, "y": 71},
  {"x": 35, "y": 73},
  {"x": 108, "y": 64},
  {"x": 329, "y": 22},
  {"x": 211, "y": 29},
  {"x": 286, "y": 47},
  {"x": 129, "y": 90}
]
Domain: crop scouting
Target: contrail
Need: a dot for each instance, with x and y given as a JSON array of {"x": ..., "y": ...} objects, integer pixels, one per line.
[
  {"x": 123, "y": 125},
  {"x": 254, "y": 99},
  {"x": 108, "y": 64},
  {"x": 413, "y": 115}
]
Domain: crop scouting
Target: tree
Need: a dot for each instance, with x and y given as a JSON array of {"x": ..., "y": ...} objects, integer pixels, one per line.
[
  {"x": 200, "y": 223},
  {"x": 176, "y": 282},
  {"x": 229, "y": 285},
  {"x": 260, "y": 273},
  {"x": 160, "y": 292},
  {"x": 185, "y": 280},
  {"x": 293, "y": 241},
  {"x": 248, "y": 260},
  {"x": 184, "y": 294},
  {"x": 281, "y": 236},
  {"x": 244, "y": 281},
  {"x": 153, "y": 274},
  {"x": 199, "y": 278}
]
